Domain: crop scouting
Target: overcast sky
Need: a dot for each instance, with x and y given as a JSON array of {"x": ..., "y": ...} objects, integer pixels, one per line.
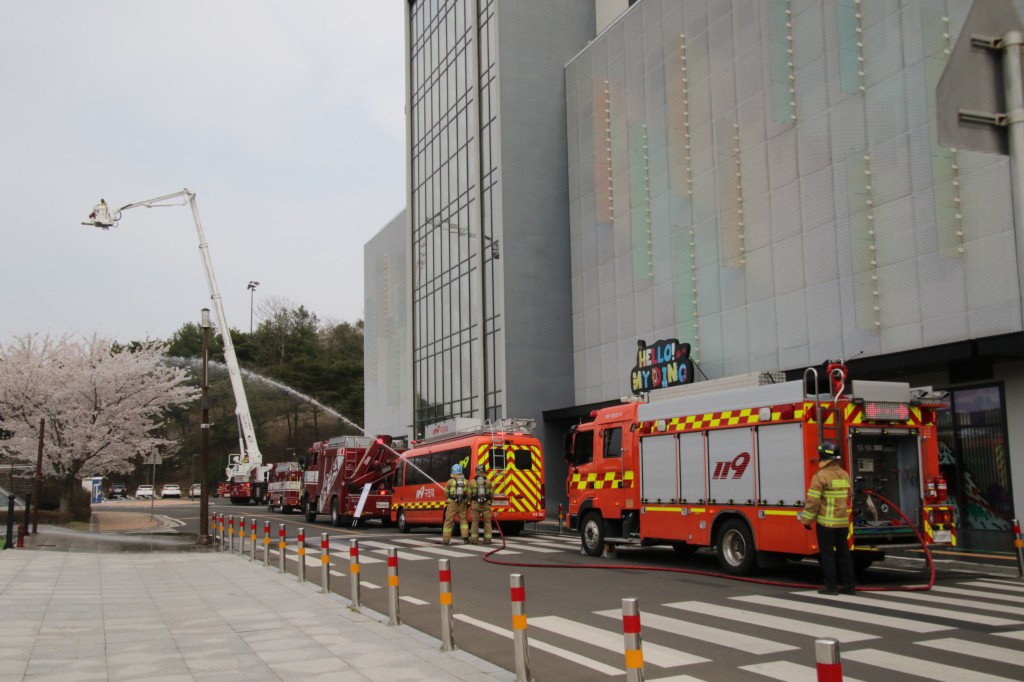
[{"x": 285, "y": 118}]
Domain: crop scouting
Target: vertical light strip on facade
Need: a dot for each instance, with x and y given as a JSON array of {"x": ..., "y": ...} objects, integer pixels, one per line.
[
  {"x": 862, "y": 240},
  {"x": 640, "y": 192},
  {"x": 686, "y": 118},
  {"x": 937, "y": 45},
  {"x": 730, "y": 194},
  {"x": 781, "y": 65},
  {"x": 604, "y": 190}
]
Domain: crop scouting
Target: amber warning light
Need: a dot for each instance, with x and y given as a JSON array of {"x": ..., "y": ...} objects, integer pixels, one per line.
[{"x": 897, "y": 412}]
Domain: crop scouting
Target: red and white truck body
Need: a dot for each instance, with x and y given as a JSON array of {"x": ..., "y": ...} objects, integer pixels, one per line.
[
  {"x": 284, "y": 487},
  {"x": 351, "y": 478},
  {"x": 730, "y": 468}
]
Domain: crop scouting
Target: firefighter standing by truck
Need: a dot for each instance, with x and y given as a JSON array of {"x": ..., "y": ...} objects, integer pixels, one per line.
[
  {"x": 456, "y": 492},
  {"x": 481, "y": 494},
  {"x": 828, "y": 504}
]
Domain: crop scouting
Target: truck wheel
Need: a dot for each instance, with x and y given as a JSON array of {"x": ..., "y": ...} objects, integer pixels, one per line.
[
  {"x": 403, "y": 524},
  {"x": 592, "y": 534},
  {"x": 336, "y": 516},
  {"x": 309, "y": 510},
  {"x": 736, "y": 552}
]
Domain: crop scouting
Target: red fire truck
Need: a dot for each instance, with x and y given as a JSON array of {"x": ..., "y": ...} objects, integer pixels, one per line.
[
  {"x": 350, "y": 478},
  {"x": 707, "y": 467},
  {"x": 507, "y": 449},
  {"x": 284, "y": 487}
]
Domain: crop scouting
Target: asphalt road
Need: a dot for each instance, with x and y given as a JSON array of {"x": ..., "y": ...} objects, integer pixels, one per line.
[{"x": 697, "y": 624}]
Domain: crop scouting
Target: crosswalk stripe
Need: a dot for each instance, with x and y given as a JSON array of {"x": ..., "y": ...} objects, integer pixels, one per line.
[
  {"x": 952, "y": 601},
  {"x": 977, "y": 594},
  {"x": 433, "y": 548},
  {"x": 997, "y": 584},
  {"x": 1016, "y": 634},
  {"x": 383, "y": 547},
  {"x": 442, "y": 551},
  {"x": 936, "y": 672},
  {"x": 837, "y": 612},
  {"x": 539, "y": 548},
  {"x": 368, "y": 585},
  {"x": 791, "y": 625},
  {"x": 543, "y": 646},
  {"x": 788, "y": 672},
  {"x": 949, "y": 614},
  {"x": 705, "y": 633},
  {"x": 654, "y": 654},
  {"x": 976, "y": 649},
  {"x": 415, "y": 601}
]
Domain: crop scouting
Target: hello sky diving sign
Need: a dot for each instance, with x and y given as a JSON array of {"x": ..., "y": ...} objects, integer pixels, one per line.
[{"x": 663, "y": 364}]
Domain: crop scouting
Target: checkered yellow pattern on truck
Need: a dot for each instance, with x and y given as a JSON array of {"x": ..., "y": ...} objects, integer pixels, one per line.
[{"x": 607, "y": 480}]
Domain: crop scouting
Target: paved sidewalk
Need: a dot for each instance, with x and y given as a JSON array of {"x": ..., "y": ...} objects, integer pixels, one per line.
[{"x": 197, "y": 615}]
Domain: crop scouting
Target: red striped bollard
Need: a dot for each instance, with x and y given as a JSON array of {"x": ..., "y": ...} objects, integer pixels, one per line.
[
  {"x": 231, "y": 532},
  {"x": 447, "y": 628},
  {"x": 281, "y": 539},
  {"x": 216, "y": 536},
  {"x": 521, "y": 642},
  {"x": 826, "y": 654},
  {"x": 252, "y": 540},
  {"x": 220, "y": 529},
  {"x": 393, "y": 618},
  {"x": 1019, "y": 545},
  {"x": 266, "y": 543},
  {"x": 301, "y": 548},
  {"x": 241, "y": 535},
  {"x": 631, "y": 637},
  {"x": 325, "y": 564},
  {"x": 353, "y": 573}
]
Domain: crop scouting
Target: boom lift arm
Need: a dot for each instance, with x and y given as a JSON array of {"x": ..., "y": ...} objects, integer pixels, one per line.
[{"x": 251, "y": 457}]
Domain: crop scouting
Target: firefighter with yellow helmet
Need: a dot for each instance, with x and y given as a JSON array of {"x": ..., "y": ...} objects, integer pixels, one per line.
[
  {"x": 828, "y": 504},
  {"x": 481, "y": 495},
  {"x": 456, "y": 492}
]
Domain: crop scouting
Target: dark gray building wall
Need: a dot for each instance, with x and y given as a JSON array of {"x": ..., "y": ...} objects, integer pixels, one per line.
[{"x": 536, "y": 40}]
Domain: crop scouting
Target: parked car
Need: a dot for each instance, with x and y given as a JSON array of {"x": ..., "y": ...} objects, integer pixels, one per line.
[
  {"x": 196, "y": 490},
  {"x": 170, "y": 490},
  {"x": 117, "y": 490},
  {"x": 144, "y": 491}
]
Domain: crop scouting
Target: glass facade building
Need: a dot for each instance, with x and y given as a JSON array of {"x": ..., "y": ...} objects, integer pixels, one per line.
[{"x": 487, "y": 197}]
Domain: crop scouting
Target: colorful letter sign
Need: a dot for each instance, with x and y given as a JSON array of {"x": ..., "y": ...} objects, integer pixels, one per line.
[{"x": 666, "y": 363}]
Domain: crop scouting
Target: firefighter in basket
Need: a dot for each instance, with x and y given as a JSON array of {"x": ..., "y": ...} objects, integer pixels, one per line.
[
  {"x": 481, "y": 494},
  {"x": 456, "y": 492},
  {"x": 828, "y": 503}
]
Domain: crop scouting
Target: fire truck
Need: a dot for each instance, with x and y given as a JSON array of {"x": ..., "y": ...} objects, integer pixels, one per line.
[
  {"x": 509, "y": 452},
  {"x": 705, "y": 465},
  {"x": 284, "y": 487},
  {"x": 350, "y": 478}
]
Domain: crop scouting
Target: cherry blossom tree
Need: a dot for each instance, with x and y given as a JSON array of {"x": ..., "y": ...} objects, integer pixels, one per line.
[{"x": 103, "y": 404}]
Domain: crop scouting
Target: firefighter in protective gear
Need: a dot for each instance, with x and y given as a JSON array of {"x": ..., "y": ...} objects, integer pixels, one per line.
[
  {"x": 481, "y": 494},
  {"x": 828, "y": 504},
  {"x": 456, "y": 491}
]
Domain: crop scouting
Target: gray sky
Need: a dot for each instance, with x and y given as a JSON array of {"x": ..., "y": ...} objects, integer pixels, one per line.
[{"x": 285, "y": 118}]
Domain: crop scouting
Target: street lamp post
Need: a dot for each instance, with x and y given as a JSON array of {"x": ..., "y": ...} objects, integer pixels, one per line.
[
  {"x": 252, "y": 294},
  {"x": 204, "y": 439}
]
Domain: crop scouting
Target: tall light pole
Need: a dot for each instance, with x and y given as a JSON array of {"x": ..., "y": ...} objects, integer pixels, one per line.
[
  {"x": 252, "y": 294},
  {"x": 204, "y": 439}
]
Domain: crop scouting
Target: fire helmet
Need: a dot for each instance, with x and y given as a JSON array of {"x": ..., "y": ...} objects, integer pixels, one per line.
[
  {"x": 481, "y": 469},
  {"x": 456, "y": 469},
  {"x": 829, "y": 450}
]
